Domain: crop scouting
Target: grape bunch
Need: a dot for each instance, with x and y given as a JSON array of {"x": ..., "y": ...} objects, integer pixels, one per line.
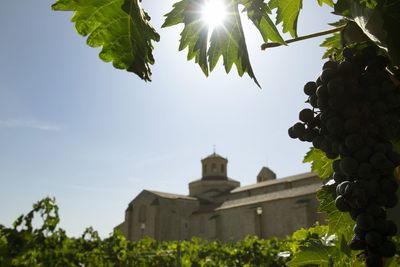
[{"x": 354, "y": 114}]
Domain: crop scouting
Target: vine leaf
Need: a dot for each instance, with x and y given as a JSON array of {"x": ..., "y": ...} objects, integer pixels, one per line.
[
  {"x": 258, "y": 12},
  {"x": 378, "y": 22},
  {"x": 227, "y": 40},
  {"x": 315, "y": 253},
  {"x": 120, "y": 27},
  {"x": 338, "y": 222},
  {"x": 328, "y": 2},
  {"x": 287, "y": 14},
  {"x": 320, "y": 163},
  {"x": 333, "y": 44}
]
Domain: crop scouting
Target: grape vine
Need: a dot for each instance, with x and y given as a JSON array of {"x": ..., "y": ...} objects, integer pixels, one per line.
[{"x": 354, "y": 116}]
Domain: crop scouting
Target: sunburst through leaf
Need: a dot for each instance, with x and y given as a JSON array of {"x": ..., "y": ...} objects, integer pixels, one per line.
[{"x": 214, "y": 13}]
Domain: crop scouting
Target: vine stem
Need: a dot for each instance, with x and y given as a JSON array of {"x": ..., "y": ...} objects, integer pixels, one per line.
[{"x": 309, "y": 36}]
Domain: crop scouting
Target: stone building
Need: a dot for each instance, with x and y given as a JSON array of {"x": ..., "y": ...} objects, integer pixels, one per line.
[{"x": 217, "y": 208}]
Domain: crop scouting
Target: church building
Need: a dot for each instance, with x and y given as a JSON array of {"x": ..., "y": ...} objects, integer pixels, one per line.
[{"x": 218, "y": 208}]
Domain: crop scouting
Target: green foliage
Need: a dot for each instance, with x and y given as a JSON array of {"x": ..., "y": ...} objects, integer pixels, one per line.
[
  {"x": 328, "y": 2},
  {"x": 195, "y": 33},
  {"x": 287, "y": 13},
  {"x": 314, "y": 254},
  {"x": 320, "y": 163},
  {"x": 48, "y": 245},
  {"x": 120, "y": 27},
  {"x": 378, "y": 20},
  {"x": 333, "y": 44},
  {"x": 227, "y": 41},
  {"x": 340, "y": 223},
  {"x": 259, "y": 13}
]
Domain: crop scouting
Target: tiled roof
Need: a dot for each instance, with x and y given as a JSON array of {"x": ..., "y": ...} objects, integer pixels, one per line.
[
  {"x": 171, "y": 196},
  {"x": 275, "y": 181},
  {"x": 282, "y": 194}
]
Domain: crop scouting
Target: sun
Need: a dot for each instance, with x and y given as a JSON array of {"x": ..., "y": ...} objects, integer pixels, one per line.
[{"x": 214, "y": 13}]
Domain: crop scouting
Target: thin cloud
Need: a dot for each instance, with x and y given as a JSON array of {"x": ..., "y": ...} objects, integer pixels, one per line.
[{"x": 30, "y": 124}]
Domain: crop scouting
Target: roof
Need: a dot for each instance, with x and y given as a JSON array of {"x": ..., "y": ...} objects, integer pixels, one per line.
[
  {"x": 265, "y": 170},
  {"x": 205, "y": 209},
  {"x": 283, "y": 194},
  {"x": 171, "y": 196},
  {"x": 207, "y": 179},
  {"x": 214, "y": 155},
  {"x": 275, "y": 181}
]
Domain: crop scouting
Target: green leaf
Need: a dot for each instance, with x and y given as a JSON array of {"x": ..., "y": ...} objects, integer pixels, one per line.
[
  {"x": 340, "y": 223},
  {"x": 316, "y": 253},
  {"x": 370, "y": 3},
  {"x": 333, "y": 44},
  {"x": 342, "y": 8},
  {"x": 227, "y": 40},
  {"x": 319, "y": 162},
  {"x": 328, "y": 2},
  {"x": 287, "y": 13},
  {"x": 258, "y": 12},
  {"x": 378, "y": 21},
  {"x": 370, "y": 21},
  {"x": 120, "y": 27}
]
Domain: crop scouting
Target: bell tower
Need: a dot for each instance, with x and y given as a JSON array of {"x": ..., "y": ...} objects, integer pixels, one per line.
[
  {"x": 214, "y": 181},
  {"x": 214, "y": 167}
]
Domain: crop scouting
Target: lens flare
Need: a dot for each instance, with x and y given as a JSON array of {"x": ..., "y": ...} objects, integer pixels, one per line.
[{"x": 214, "y": 13}]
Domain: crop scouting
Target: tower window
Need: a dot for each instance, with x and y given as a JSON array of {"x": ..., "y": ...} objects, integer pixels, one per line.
[
  {"x": 205, "y": 168},
  {"x": 222, "y": 168},
  {"x": 214, "y": 167}
]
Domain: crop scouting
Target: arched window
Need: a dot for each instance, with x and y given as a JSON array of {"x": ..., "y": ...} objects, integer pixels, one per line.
[
  {"x": 204, "y": 168},
  {"x": 222, "y": 168},
  {"x": 214, "y": 167}
]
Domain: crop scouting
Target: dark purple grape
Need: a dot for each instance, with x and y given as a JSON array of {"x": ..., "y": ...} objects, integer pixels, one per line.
[
  {"x": 357, "y": 243},
  {"x": 349, "y": 166},
  {"x": 306, "y": 115},
  {"x": 354, "y": 117},
  {"x": 387, "y": 249},
  {"x": 341, "y": 204},
  {"x": 310, "y": 88},
  {"x": 373, "y": 238},
  {"x": 365, "y": 221}
]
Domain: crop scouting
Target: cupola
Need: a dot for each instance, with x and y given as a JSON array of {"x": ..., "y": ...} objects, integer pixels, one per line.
[{"x": 214, "y": 167}]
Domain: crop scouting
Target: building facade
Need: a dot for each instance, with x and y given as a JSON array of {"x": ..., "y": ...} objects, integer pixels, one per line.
[{"x": 218, "y": 208}]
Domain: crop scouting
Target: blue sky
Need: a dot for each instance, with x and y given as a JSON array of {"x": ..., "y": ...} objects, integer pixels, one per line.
[{"x": 93, "y": 137}]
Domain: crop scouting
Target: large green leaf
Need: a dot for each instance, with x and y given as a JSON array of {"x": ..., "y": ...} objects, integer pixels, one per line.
[
  {"x": 227, "y": 40},
  {"x": 340, "y": 223},
  {"x": 320, "y": 163},
  {"x": 379, "y": 20},
  {"x": 194, "y": 36},
  {"x": 258, "y": 12},
  {"x": 120, "y": 27},
  {"x": 316, "y": 253},
  {"x": 333, "y": 44},
  {"x": 287, "y": 13}
]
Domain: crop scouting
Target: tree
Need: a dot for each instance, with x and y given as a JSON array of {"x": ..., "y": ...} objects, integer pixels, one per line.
[{"x": 122, "y": 28}]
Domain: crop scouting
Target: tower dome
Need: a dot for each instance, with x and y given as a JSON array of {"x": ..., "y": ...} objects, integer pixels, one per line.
[{"x": 214, "y": 167}]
